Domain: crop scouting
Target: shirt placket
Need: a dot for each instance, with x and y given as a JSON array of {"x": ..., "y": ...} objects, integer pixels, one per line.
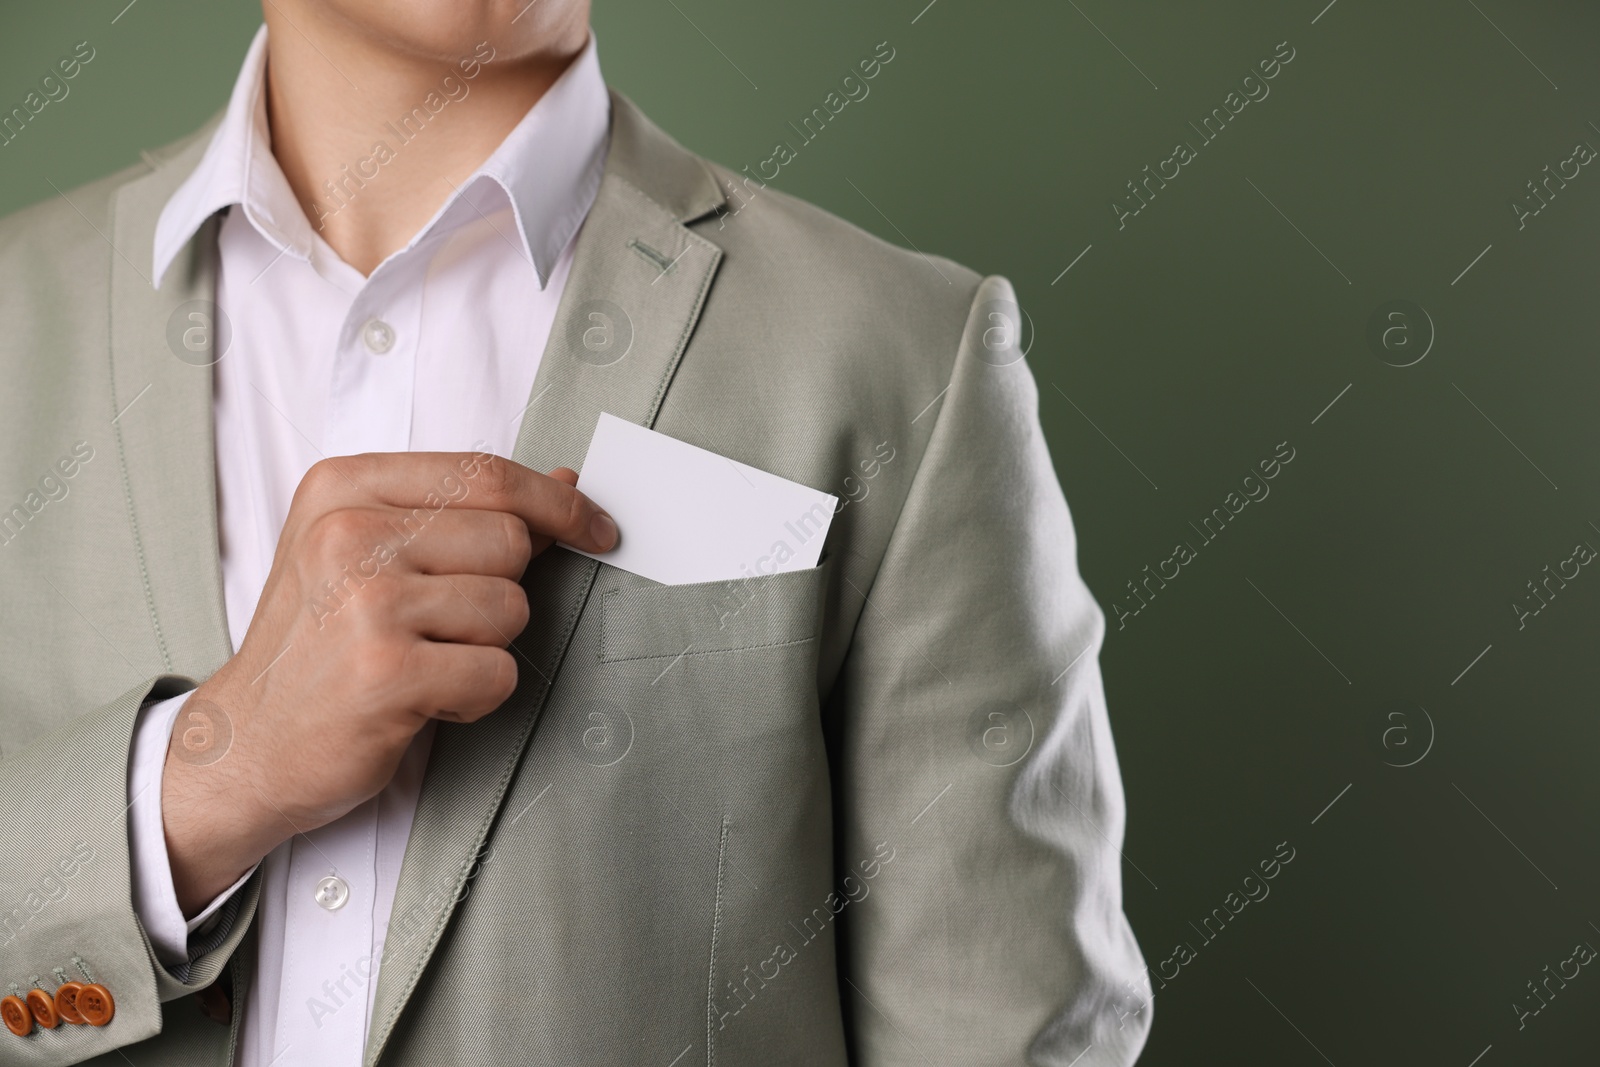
[
  {"x": 375, "y": 367},
  {"x": 322, "y": 997},
  {"x": 324, "y": 993}
]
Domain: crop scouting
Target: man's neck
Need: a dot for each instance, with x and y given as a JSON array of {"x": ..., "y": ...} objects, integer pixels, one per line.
[{"x": 333, "y": 92}]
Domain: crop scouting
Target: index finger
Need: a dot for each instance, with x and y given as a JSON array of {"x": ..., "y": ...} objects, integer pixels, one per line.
[{"x": 432, "y": 481}]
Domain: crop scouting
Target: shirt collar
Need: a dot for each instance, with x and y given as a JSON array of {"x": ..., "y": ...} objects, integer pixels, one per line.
[{"x": 549, "y": 169}]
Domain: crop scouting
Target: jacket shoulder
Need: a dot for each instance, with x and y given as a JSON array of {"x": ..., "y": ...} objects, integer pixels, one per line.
[
  {"x": 889, "y": 321},
  {"x": 804, "y": 239},
  {"x": 64, "y": 236},
  {"x": 58, "y": 238}
]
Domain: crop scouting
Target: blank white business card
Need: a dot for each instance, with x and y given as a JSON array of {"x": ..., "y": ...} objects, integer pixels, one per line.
[{"x": 689, "y": 515}]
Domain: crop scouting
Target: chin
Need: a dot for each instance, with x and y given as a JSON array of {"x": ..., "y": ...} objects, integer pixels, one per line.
[{"x": 445, "y": 30}]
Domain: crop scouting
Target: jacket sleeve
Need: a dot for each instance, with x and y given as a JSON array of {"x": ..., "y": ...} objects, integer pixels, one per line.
[
  {"x": 976, "y": 753},
  {"x": 66, "y": 883}
]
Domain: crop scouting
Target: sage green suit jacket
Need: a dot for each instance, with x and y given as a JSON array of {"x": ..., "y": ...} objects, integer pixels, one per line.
[{"x": 864, "y": 813}]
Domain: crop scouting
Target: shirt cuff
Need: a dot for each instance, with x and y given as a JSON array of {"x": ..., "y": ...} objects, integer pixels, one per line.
[{"x": 155, "y": 900}]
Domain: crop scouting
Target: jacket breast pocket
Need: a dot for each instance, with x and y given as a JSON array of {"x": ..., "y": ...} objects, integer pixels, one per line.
[{"x": 642, "y": 620}]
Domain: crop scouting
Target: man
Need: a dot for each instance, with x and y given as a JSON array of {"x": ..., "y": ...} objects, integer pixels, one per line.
[{"x": 318, "y": 750}]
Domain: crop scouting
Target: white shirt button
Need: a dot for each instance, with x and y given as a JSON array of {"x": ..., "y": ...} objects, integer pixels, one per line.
[
  {"x": 332, "y": 892},
  {"x": 378, "y": 336}
]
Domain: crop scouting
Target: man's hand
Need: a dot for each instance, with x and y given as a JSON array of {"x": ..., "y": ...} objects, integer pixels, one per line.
[{"x": 393, "y": 595}]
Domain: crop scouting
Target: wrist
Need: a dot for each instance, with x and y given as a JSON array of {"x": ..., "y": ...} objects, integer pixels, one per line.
[
  {"x": 212, "y": 835},
  {"x": 216, "y": 820}
]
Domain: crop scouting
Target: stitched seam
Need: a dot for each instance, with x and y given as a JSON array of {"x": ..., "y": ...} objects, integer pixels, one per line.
[
  {"x": 716, "y": 930},
  {"x": 711, "y": 651},
  {"x": 690, "y": 323},
  {"x": 652, "y": 201},
  {"x": 916, "y": 477},
  {"x": 682, "y": 220},
  {"x": 605, "y": 612},
  {"x": 605, "y": 624},
  {"x": 493, "y": 813},
  {"x": 122, "y": 455},
  {"x": 236, "y": 1003}
]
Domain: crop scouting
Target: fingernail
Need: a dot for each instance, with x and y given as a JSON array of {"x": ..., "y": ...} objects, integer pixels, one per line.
[{"x": 603, "y": 530}]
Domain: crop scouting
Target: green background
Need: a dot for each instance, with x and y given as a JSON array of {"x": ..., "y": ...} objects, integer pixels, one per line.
[{"x": 1294, "y": 657}]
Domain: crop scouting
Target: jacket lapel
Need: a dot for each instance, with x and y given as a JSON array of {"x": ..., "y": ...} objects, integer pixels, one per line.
[
  {"x": 163, "y": 421},
  {"x": 638, "y": 281}
]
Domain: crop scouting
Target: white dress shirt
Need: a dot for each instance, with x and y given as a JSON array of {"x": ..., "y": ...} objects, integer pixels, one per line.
[{"x": 436, "y": 350}]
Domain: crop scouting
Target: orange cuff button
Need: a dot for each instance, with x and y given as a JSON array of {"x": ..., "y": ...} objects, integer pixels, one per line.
[
  {"x": 19, "y": 1020},
  {"x": 44, "y": 1009},
  {"x": 94, "y": 1003},
  {"x": 66, "y": 1002}
]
